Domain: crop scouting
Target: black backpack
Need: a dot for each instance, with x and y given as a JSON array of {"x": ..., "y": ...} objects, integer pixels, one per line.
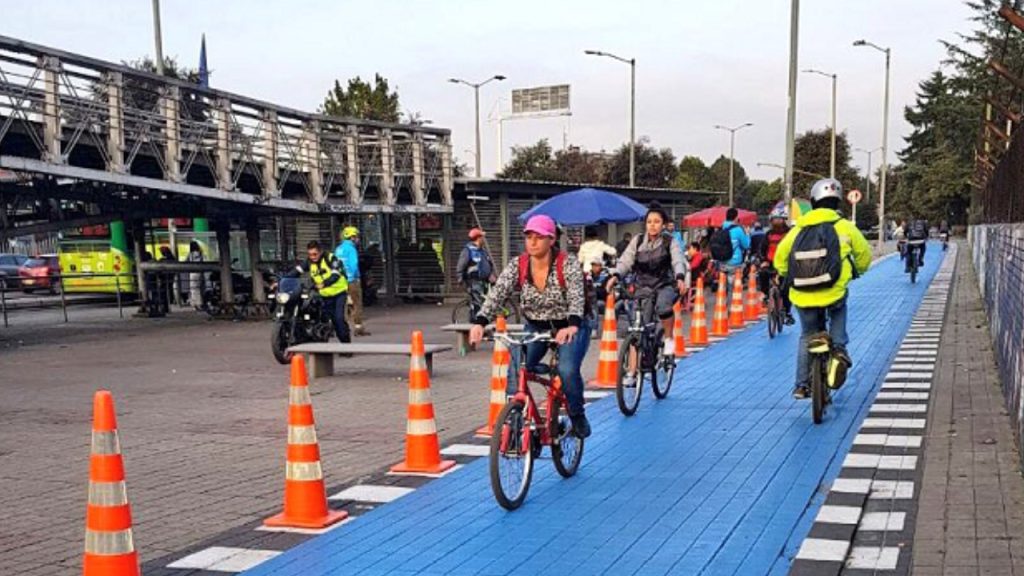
[
  {"x": 815, "y": 261},
  {"x": 918, "y": 230},
  {"x": 721, "y": 244}
]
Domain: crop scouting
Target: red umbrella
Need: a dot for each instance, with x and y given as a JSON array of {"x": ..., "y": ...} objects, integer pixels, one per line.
[{"x": 715, "y": 216}]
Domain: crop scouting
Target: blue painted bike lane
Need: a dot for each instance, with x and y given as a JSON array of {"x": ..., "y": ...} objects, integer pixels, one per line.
[{"x": 723, "y": 477}]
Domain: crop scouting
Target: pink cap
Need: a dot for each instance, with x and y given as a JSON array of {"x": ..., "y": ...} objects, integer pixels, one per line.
[{"x": 540, "y": 224}]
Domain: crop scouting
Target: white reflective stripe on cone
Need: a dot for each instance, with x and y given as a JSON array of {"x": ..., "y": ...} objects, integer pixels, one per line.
[
  {"x": 109, "y": 543},
  {"x": 303, "y": 471},
  {"x": 298, "y": 395},
  {"x": 302, "y": 434},
  {"x": 498, "y": 396},
  {"x": 418, "y": 362},
  {"x": 419, "y": 396},
  {"x": 498, "y": 370},
  {"x": 608, "y": 355},
  {"x": 107, "y": 493},
  {"x": 105, "y": 442},
  {"x": 421, "y": 427}
]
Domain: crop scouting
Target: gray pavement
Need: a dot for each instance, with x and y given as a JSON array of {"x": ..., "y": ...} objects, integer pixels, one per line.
[
  {"x": 970, "y": 518},
  {"x": 201, "y": 408}
]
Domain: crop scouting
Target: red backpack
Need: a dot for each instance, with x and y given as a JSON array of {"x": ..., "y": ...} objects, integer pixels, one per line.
[{"x": 524, "y": 268}]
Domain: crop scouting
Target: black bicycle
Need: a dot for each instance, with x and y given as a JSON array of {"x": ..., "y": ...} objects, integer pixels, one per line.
[
  {"x": 641, "y": 357},
  {"x": 776, "y": 308},
  {"x": 914, "y": 258},
  {"x": 466, "y": 308},
  {"x": 820, "y": 347}
]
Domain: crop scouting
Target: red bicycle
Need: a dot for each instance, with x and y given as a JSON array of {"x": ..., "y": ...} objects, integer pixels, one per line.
[{"x": 522, "y": 429}]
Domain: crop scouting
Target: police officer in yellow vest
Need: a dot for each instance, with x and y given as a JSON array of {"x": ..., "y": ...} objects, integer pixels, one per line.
[{"x": 328, "y": 273}]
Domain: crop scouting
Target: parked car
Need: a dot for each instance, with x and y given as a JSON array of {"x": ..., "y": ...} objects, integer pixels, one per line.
[
  {"x": 9, "y": 264},
  {"x": 40, "y": 272}
]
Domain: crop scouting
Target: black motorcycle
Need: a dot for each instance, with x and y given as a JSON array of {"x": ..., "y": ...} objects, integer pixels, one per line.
[{"x": 299, "y": 317}]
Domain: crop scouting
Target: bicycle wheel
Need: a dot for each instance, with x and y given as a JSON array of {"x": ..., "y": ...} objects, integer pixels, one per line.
[
  {"x": 773, "y": 327},
  {"x": 817, "y": 388},
  {"x": 661, "y": 378},
  {"x": 566, "y": 447},
  {"x": 511, "y": 458},
  {"x": 629, "y": 385},
  {"x": 461, "y": 312}
]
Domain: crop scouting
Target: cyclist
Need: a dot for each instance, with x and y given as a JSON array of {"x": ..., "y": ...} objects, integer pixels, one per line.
[
  {"x": 819, "y": 276},
  {"x": 662, "y": 271},
  {"x": 778, "y": 228},
  {"x": 551, "y": 296},
  {"x": 475, "y": 270},
  {"x": 900, "y": 234},
  {"x": 328, "y": 275},
  {"x": 917, "y": 236}
]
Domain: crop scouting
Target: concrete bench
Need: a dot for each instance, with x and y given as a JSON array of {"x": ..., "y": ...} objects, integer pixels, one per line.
[
  {"x": 320, "y": 356},
  {"x": 462, "y": 334}
]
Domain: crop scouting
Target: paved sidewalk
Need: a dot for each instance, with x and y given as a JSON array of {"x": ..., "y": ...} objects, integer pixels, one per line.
[
  {"x": 970, "y": 518},
  {"x": 724, "y": 477}
]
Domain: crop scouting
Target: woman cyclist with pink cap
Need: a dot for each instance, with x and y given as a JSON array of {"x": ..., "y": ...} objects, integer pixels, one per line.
[{"x": 551, "y": 292}]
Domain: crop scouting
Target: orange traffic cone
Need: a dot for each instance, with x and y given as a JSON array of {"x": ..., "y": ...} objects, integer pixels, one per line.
[
  {"x": 422, "y": 448},
  {"x": 699, "y": 320},
  {"x": 736, "y": 306},
  {"x": 752, "y": 311},
  {"x": 500, "y": 361},
  {"x": 608, "y": 359},
  {"x": 677, "y": 329},
  {"x": 109, "y": 546},
  {"x": 720, "y": 322},
  {"x": 305, "y": 501}
]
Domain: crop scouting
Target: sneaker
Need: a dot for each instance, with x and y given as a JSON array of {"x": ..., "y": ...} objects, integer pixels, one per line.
[
  {"x": 790, "y": 320},
  {"x": 580, "y": 426},
  {"x": 629, "y": 380},
  {"x": 801, "y": 392},
  {"x": 843, "y": 355},
  {"x": 669, "y": 348}
]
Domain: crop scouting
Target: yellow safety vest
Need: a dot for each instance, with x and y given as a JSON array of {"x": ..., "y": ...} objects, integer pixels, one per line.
[{"x": 322, "y": 270}]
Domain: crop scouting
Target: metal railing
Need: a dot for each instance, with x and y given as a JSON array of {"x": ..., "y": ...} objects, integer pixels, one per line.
[
  {"x": 69, "y": 115},
  {"x": 8, "y": 305}
]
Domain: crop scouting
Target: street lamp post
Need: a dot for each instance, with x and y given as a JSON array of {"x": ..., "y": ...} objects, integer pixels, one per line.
[
  {"x": 632, "y": 108},
  {"x": 158, "y": 39},
  {"x": 794, "y": 37},
  {"x": 867, "y": 192},
  {"x": 476, "y": 98},
  {"x": 885, "y": 141},
  {"x": 832, "y": 158},
  {"x": 732, "y": 150}
]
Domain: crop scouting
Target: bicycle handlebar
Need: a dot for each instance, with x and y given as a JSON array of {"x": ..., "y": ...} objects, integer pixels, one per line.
[{"x": 522, "y": 338}]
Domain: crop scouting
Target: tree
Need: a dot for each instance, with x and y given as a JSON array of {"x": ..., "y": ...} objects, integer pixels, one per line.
[
  {"x": 577, "y": 165},
  {"x": 144, "y": 94},
  {"x": 534, "y": 162},
  {"x": 692, "y": 174},
  {"x": 718, "y": 176},
  {"x": 363, "y": 101},
  {"x": 655, "y": 168},
  {"x": 813, "y": 152}
]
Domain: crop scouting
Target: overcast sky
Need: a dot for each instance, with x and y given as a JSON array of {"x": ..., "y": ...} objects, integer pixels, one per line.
[{"x": 699, "y": 62}]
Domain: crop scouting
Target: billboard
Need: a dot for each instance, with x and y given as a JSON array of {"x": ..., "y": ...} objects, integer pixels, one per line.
[{"x": 540, "y": 100}]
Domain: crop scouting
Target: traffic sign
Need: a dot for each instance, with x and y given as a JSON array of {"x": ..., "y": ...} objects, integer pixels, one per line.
[{"x": 854, "y": 196}]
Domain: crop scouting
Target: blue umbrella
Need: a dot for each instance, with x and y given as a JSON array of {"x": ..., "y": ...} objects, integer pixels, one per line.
[{"x": 588, "y": 206}]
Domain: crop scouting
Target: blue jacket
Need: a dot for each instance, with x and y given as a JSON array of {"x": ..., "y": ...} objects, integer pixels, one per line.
[
  {"x": 349, "y": 256},
  {"x": 740, "y": 242}
]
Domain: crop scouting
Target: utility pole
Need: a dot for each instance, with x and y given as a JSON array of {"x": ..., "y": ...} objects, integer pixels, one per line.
[
  {"x": 158, "y": 38},
  {"x": 794, "y": 25}
]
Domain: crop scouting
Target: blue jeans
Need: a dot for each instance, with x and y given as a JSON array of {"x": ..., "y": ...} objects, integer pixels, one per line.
[
  {"x": 335, "y": 307},
  {"x": 570, "y": 358},
  {"x": 812, "y": 321}
]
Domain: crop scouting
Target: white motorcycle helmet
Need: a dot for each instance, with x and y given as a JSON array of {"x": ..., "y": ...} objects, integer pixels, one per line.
[{"x": 826, "y": 188}]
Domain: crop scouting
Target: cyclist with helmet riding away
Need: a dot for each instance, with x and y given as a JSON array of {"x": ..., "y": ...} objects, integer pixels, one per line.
[
  {"x": 551, "y": 298},
  {"x": 662, "y": 271},
  {"x": 917, "y": 241},
  {"x": 475, "y": 270},
  {"x": 820, "y": 256},
  {"x": 778, "y": 227},
  {"x": 348, "y": 253}
]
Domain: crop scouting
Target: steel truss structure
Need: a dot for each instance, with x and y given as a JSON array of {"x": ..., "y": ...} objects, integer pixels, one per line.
[{"x": 70, "y": 116}]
